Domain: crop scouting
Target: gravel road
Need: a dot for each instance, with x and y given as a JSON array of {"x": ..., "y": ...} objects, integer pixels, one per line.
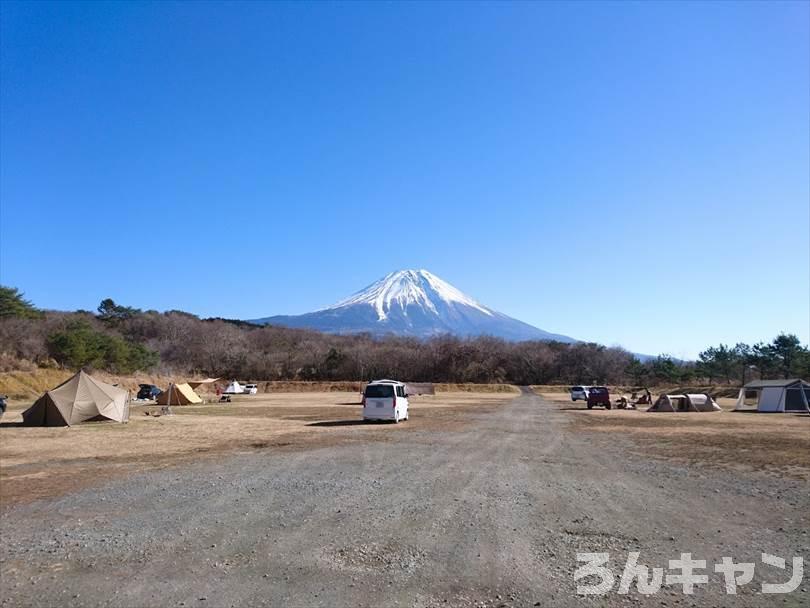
[{"x": 491, "y": 514}]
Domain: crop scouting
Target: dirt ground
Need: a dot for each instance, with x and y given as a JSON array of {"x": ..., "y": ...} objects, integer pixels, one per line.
[
  {"x": 743, "y": 441},
  {"x": 472, "y": 503},
  {"x": 46, "y": 462}
]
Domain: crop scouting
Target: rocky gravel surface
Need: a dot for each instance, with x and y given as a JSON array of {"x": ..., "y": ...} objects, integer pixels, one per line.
[{"x": 491, "y": 514}]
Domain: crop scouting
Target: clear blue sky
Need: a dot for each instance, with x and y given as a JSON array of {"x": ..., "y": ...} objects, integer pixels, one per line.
[{"x": 631, "y": 173}]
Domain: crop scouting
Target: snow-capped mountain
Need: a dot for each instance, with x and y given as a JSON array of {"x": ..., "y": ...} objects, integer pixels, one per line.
[{"x": 413, "y": 303}]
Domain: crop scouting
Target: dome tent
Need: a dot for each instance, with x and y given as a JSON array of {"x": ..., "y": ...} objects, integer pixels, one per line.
[
  {"x": 76, "y": 400},
  {"x": 688, "y": 402}
]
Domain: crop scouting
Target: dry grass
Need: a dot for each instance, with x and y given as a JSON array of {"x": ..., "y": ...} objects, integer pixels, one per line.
[
  {"x": 469, "y": 387},
  {"x": 25, "y": 385},
  {"x": 38, "y": 462},
  {"x": 778, "y": 443},
  {"x": 28, "y": 385}
]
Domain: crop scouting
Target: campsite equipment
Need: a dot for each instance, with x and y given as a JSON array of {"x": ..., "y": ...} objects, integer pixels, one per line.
[
  {"x": 688, "y": 402},
  {"x": 78, "y": 399},
  {"x": 624, "y": 403},
  {"x": 178, "y": 394},
  {"x": 644, "y": 399},
  {"x": 598, "y": 396},
  {"x": 774, "y": 396},
  {"x": 196, "y": 384}
]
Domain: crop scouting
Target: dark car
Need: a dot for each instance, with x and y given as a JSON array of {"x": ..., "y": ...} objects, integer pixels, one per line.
[
  {"x": 148, "y": 391},
  {"x": 599, "y": 396}
]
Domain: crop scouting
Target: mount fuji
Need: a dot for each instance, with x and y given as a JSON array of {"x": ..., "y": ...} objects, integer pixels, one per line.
[{"x": 413, "y": 303}]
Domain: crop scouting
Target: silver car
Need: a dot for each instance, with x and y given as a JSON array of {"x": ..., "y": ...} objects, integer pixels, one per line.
[{"x": 579, "y": 392}]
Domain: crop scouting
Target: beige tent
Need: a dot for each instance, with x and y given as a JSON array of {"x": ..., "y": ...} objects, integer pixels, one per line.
[
  {"x": 178, "y": 394},
  {"x": 77, "y": 399},
  {"x": 689, "y": 402}
]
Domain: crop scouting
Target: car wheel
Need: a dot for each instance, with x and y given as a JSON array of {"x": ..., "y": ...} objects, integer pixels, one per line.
[
  {"x": 590, "y": 407},
  {"x": 607, "y": 406}
]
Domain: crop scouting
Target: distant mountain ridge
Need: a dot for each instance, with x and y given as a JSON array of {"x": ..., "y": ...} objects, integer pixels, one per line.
[{"x": 413, "y": 303}]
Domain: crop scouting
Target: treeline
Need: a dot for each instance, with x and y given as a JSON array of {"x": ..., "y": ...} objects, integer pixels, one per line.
[{"x": 123, "y": 340}]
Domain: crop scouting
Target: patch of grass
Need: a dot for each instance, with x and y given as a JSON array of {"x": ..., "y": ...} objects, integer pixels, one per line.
[{"x": 754, "y": 442}]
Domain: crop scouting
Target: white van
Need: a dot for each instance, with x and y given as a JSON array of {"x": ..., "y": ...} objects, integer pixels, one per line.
[{"x": 385, "y": 400}]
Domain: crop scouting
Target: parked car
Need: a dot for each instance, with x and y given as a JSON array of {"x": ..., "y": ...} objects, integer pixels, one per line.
[
  {"x": 579, "y": 392},
  {"x": 598, "y": 396},
  {"x": 251, "y": 389},
  {"x": 385, "y": 400},
  {"x": 147, "y": 392}
]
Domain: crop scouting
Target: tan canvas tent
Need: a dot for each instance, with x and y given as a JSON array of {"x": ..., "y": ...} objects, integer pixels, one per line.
[
  {"x": 178, "y": 394},
  {"x": 195, "y": 384},
  {"x": 77, "y": 399},
  {"x": 688, "y": 402}
]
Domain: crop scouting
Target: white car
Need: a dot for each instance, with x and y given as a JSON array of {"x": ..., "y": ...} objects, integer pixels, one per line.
[
  {"x": 579, "y": 392},
  {"x": 251, "y": 389},
  {"x": 385, "y": 400}
]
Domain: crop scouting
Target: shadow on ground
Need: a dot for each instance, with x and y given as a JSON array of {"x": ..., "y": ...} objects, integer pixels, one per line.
[{"x": 330, "y": 423}]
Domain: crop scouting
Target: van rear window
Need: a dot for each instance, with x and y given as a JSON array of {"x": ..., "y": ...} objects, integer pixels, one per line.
[
  {"x": 378, "y": 391},
  {"x": 576, "y": 388}
]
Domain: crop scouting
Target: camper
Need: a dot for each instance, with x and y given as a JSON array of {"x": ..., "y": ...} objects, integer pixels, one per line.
[
  {"x": 385, "y": 400},
  {"x": 774, "y": 396}
]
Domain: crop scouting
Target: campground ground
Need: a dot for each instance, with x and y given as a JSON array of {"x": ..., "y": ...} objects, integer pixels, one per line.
[{"x": 480, "y": 499}]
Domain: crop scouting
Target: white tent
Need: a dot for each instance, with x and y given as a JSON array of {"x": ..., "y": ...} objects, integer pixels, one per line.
[
  {"x": 774, "y": 396},
  {"x": 234, "y": 388},
  {"x": 689, "y": 402}
]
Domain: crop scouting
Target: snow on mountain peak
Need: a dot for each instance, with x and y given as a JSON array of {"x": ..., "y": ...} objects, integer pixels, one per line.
[
  {"x": 405, "y": 288},
  {"x": 413, "y": 303}
]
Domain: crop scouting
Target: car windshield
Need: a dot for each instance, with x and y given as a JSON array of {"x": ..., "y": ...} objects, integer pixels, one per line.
[
  {"x": 576, "y": 388},
  {"x": 379, "y": 390}
]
